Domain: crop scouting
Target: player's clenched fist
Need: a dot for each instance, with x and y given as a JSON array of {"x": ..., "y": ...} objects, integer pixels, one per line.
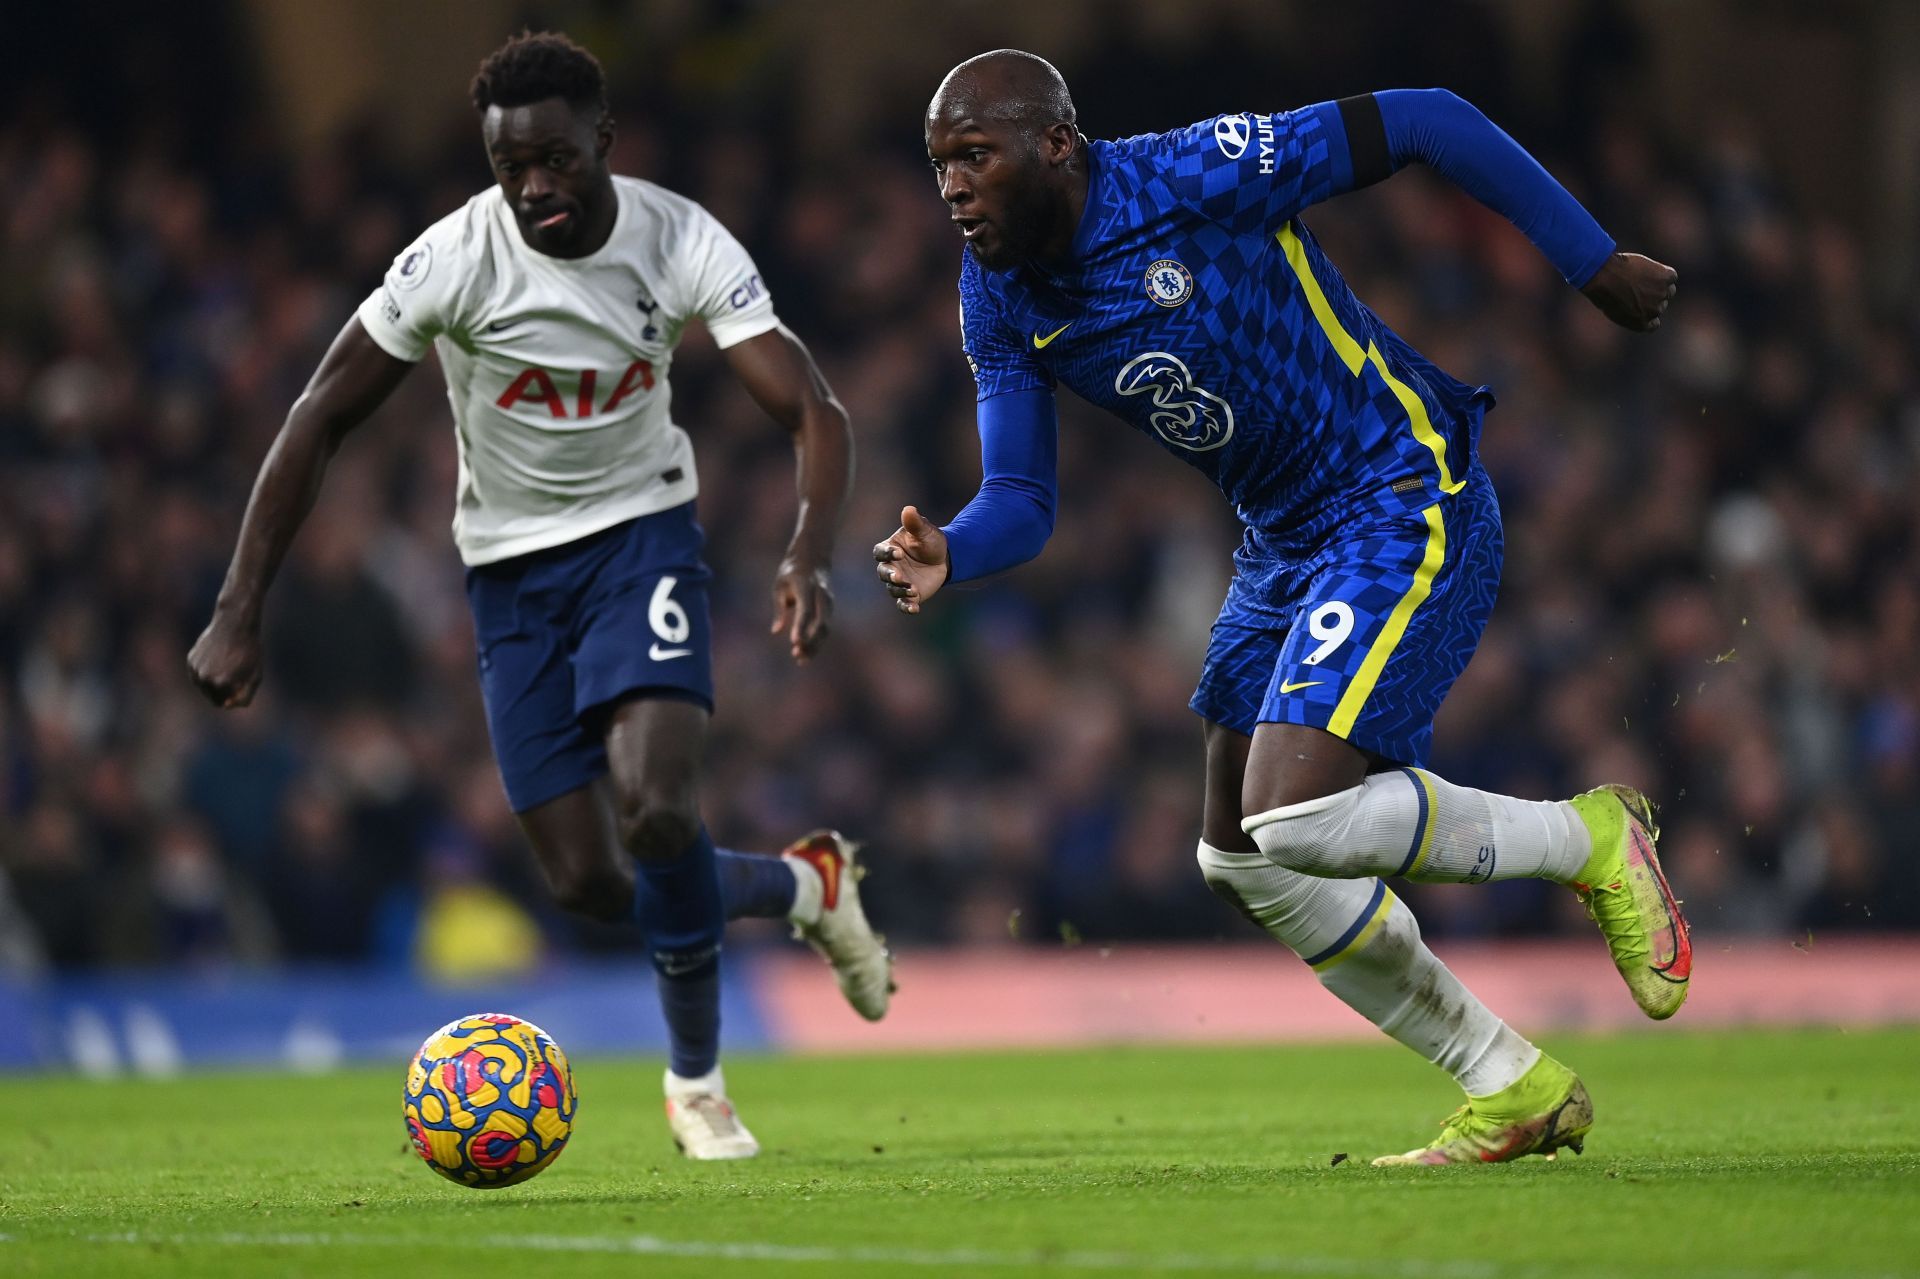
[
  {"x": 1633, "y": 291},
  {"x": 912, "y": 564},
  {"x": 225, "y": 663}
]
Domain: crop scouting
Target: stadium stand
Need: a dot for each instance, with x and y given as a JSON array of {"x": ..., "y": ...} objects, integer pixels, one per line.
[{"x": 1712, "y": 587}]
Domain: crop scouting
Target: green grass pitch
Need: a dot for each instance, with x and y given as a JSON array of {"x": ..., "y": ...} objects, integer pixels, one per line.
[{"x": 1714, "y": 1156}]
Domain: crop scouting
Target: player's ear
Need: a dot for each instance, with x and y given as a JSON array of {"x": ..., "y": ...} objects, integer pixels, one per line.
[
  {"x": 1059, "y": 142},
  {"x": 603, "y": 136}
]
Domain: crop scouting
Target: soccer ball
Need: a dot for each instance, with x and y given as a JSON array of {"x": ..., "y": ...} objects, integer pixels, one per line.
[{"x": 489, "y": 1100}]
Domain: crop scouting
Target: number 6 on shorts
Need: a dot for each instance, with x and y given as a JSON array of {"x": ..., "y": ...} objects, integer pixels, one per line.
[{"x": 667, "y": 618}]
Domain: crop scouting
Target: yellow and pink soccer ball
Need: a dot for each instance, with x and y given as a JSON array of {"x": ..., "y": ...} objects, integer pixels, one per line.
[{"x": 489, "y": 1100}]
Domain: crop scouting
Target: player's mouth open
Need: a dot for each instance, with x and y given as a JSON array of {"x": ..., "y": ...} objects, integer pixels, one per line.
[{"x": 970, "y": 227}]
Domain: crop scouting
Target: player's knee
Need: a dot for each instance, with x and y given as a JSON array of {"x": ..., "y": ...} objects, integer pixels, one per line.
[
  {"x": 598, "y": 892},
  {"x": 1235, "y": 878},
  {"x": 1308, "y": 837},
  {"x": 656, "y": 829},
  {"x": 1271, "y": 897},
  {"x": 1220, "y": 867}
]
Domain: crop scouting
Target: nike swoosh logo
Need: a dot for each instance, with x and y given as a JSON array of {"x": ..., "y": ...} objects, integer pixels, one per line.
[
  {"x": 659, "y": 654},
  {"x": 1039, "y": 343},
  {"x": 498, "y": 325},
  {"x": 1294, "y": 688}
]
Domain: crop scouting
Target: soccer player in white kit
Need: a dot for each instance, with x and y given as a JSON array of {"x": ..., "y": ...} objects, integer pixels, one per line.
[{"x": 554, "y": 300}]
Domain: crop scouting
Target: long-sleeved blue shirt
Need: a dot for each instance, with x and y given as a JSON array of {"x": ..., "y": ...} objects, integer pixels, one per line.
[{"x": 1197, "y": 307}]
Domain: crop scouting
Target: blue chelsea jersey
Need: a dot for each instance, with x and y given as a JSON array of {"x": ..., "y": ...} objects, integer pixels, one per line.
[{"x": 1199, "y": 308}]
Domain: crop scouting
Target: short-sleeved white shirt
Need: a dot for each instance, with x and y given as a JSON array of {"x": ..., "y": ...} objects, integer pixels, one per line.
[{"x": 556, "y": 368}]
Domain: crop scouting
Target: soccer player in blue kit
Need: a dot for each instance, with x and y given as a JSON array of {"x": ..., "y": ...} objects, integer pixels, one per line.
[
  {"x": 1168, "y": 279},
  {"x": 554, "y": 301}
]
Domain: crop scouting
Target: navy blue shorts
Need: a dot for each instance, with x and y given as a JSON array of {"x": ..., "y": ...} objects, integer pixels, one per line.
[
  {"x": 565, "y": 632},
  {"x": 1364, "y": 637}
]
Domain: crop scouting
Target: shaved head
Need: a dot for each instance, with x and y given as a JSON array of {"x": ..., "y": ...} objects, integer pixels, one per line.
[
  {"x": 1005, "y": 144},
  {"x": 1007, "y": 86}
]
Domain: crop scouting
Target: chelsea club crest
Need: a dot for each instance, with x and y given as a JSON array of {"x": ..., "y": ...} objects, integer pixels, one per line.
[{"x": 1169, "y": 283}]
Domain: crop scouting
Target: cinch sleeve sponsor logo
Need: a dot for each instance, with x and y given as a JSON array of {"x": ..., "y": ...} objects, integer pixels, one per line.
[{"x": 747, "y": 294}]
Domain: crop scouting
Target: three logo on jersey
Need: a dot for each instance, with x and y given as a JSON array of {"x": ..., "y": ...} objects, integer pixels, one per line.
[{"x": 1184, "y": 414}]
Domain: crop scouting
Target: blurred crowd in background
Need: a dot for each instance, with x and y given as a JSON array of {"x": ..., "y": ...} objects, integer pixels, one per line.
[{"x": 1712, "y": 588}]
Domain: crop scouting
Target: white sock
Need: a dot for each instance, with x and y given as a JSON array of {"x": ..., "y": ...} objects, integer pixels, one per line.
[
  {"x": 1365, "y": 946},
  {"x": 809, "y": 894},
  {"x": 678, "y": 1086},
  {"x": 1409, "y": 822}
]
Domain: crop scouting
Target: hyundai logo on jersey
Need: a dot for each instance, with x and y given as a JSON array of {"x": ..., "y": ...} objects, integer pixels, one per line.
[{"x": 1232, "y": 132}]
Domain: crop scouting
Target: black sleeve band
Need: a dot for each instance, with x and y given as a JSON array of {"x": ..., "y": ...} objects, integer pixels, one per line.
[{"x": 1366, "y": 140}]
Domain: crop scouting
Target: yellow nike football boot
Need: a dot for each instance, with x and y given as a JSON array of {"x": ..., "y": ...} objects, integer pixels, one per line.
[
  {"x": 1627, "y": 895},
  {"x": 1546, "y": 1108}
]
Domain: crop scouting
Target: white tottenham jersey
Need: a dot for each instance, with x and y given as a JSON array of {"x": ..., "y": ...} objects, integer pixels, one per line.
[{"x": 557, "y": 367}]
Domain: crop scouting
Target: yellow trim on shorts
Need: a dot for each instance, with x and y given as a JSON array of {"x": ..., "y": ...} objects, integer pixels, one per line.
[
  {"x": 1365, "y": 935},
  {"x": 1356, "y": 359},
  {"x": 1390, "y": 635}
]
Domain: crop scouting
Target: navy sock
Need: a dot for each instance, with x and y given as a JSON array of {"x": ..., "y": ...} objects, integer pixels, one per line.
[
  {"x": 677, "y": 905},
  {"x": 691, "y": 1005},
  {"x": 755, "y": 887}
]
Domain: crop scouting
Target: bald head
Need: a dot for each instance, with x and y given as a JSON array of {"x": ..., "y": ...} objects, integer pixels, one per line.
[
  {"x": 1007, "y": 86},
  {"x": 1003, "y": 143}
]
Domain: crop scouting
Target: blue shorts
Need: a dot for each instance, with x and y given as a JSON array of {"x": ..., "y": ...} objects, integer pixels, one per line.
[
  {"x": 1365, "y": 636},
  {"x": 566, "y": 632}
]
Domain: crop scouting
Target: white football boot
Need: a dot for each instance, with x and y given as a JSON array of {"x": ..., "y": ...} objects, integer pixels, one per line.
[
  {"x": 827, "y": 916},
  {"x": 703, "y": 1120}
]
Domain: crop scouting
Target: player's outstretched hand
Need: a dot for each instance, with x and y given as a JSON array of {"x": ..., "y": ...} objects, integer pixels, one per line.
[
  {"x": 912, "y": 564},
  {"x": 1633, "y": 291},
  {"x": 802, "y": 606},
  {"x": 225, "y": 662}
]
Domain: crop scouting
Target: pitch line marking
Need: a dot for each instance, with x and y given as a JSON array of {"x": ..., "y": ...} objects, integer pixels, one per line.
[
  {"x": 950, "y": 1258},
  {"x": 945, "y": 1258}
]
